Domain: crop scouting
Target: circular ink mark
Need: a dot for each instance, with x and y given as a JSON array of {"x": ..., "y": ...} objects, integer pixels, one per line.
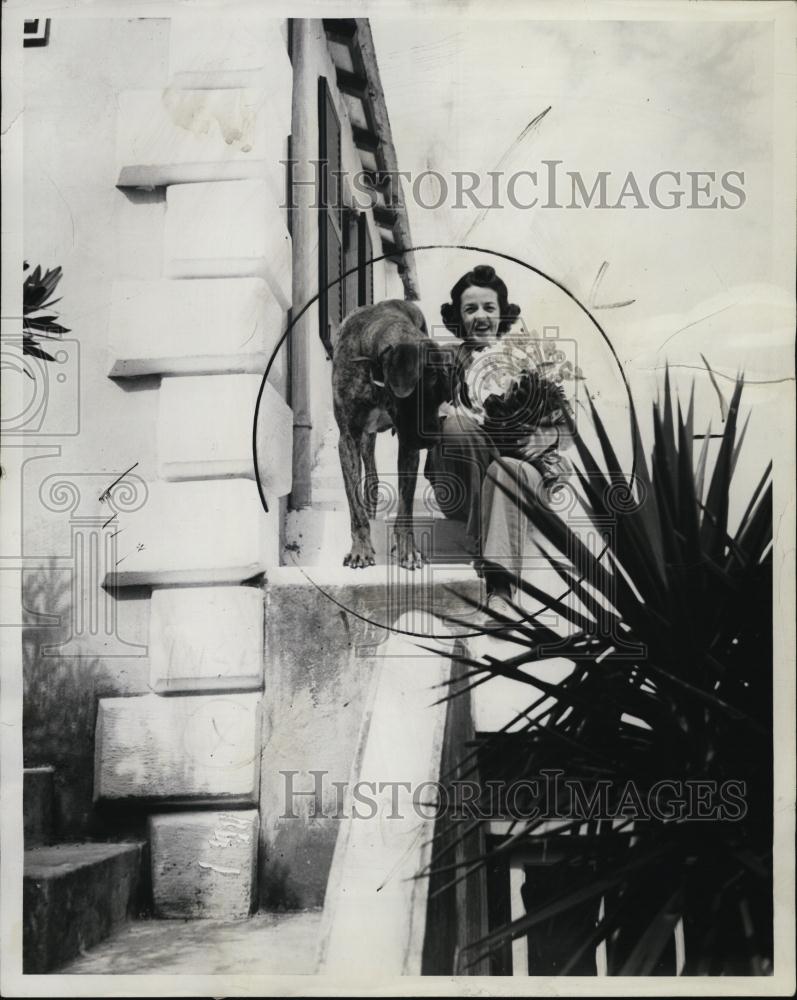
[{"x": 211, "y": 734}]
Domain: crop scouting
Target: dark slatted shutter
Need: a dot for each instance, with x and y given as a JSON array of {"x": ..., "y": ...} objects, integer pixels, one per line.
[
  {"x": 351, "y": 261},
  {"x": 330, "y": 242},
  {"x": 365, "y": 293}
]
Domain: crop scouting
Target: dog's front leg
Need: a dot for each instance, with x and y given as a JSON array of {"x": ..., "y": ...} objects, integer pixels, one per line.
[
  {"x": 404, "y": 547},
  {"x": 362, "y": 551},
  {"x": 371, "y": 479}
]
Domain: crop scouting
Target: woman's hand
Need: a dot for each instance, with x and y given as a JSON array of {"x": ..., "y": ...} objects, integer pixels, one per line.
[{"x": 539, "y": 441}]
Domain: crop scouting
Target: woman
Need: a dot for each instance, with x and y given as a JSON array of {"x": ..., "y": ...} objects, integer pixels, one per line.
[{"x": 502, "y": 433}]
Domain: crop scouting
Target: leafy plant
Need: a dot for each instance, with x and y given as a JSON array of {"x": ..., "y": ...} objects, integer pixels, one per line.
[
  {"x": 37, "y": 291},
  {"x": 670, "y": 637}
]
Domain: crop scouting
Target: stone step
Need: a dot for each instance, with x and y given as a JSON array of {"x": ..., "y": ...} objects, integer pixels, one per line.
[
  {"x": 38, "y": 799},
  {"x": 320, "y": 536},
  {"x": 74, "y": 895},
  {"x": 267, "y": 943}
]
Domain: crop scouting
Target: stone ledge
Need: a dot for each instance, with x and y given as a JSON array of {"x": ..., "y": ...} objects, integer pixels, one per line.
[
  {"x": 228, "y": 229},
  {"x": 205, "y": 431},
  {"x": 197, "y": 327},
  {"x": 206, "y": 638},
  {"x": 179, "y": 749},
  {"x": 207, "y": 532},
  {"x": 204, "y": 864}
]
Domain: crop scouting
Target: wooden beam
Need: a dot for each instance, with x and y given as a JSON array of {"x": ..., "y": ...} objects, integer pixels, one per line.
[
  {"x": 351, "y": 83},
  {"x": 340, "y": 29},
  {"x": 390, "y": 250},
  {"x": 365, "y": 139},
  {"x": 386, "y": 157},
  {"x": 385, "y": 216}
]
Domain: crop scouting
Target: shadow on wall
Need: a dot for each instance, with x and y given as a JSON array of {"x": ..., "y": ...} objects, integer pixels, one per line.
[{"x": 60, "y": 697}]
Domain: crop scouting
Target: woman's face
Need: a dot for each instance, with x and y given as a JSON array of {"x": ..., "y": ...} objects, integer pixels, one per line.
[{"x": 480, "y": 314}]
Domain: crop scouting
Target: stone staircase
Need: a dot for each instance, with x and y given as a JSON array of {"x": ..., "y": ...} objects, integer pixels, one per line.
[
  {"x": 230, "y": 888},
  {"x": 74, "y": 894}
]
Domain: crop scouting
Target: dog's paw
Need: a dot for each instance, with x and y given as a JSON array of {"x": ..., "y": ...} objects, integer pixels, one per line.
[
  {"x": 361, "y": 555},
  {"x": 408, "y": 556}
]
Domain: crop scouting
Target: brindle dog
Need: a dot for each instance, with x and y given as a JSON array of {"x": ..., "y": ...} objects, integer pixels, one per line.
[{"x": 386, "y": 373}]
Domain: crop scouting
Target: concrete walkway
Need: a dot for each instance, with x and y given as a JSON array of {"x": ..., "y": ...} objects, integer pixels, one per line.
[{"x": 267, "y": 943}]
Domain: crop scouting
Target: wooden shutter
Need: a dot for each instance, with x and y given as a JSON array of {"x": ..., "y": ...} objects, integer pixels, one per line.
[
  {"x": 365, "y": 292},
  {"x": 330, "y": 215},
  {"x": 351, "y": 261}
]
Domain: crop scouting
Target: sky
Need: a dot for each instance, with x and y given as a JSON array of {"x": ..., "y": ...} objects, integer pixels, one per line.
[{"x": 624, "y": 96}]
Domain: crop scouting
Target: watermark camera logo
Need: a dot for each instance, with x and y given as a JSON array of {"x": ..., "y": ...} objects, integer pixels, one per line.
[
  {"x": 50, "y": 405},
  {"x": 83, "y": 612}
]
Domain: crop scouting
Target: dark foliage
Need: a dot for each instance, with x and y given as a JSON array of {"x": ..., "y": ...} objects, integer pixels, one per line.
[
  {"x": 669, "y": 630},
  {"x": 37, "y": 322}
]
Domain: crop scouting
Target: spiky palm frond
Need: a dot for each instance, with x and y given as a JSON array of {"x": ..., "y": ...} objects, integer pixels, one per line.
[
  {"x": 37, "y": 292},
  {"x": 670, "y": 634}
]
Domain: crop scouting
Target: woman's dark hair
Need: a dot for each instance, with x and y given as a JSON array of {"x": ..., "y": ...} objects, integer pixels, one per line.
[{"x": 483, "y": 276}]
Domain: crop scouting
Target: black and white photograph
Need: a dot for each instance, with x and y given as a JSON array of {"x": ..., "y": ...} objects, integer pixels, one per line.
[{"x": 397, "y": 498}]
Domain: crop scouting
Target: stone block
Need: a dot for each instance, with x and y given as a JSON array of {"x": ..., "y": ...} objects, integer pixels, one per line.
[
  {"x": 175, "y": 136},
  {"x": 180, "y": 749},
  {"x": 374, "y": 903},
  {"x": 228, "y": 229},
  {"x": 205, "y": 431},
  {"x": 206, "y": 639},
  {"x": 317, "y": 666},
  {"x": 38, "y": 797},
  {"x": 74, "y": 895},
  {"x": 205, "y": 532},
  {"x": 204, "y": 864},
  {"x": 209, "y": 49},
  {"x": 193, "y": 327}
]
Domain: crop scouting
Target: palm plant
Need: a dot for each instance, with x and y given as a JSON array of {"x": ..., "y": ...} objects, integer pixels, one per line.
[
  {"x": 670, "y": 636},
  {"x": 37, "y": 292}
]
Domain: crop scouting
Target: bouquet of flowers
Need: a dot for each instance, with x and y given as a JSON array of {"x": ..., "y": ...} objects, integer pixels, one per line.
[{"x": 512, "y": 394}]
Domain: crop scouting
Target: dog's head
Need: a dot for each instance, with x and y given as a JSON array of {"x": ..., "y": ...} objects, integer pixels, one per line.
[{"x": 401, "y": 367}]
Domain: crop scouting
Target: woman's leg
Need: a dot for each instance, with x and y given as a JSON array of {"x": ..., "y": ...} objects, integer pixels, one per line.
[
  {"x": 456, "y": 466},
  {"x": 504, "y": 526}
]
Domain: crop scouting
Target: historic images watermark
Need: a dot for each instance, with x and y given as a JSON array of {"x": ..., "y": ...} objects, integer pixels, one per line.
[
  {"x": 550, "y": 186},
  {"x": 549, "y": 796}
]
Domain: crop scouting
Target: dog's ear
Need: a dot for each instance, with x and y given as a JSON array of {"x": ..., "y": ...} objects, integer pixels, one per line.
[{"x": 401, "y": 364}]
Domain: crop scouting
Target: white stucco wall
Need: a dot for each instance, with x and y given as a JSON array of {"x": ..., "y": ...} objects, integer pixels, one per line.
[
  {"x": 75, "y": 217},
  {"x": 92, "y": 429}
]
